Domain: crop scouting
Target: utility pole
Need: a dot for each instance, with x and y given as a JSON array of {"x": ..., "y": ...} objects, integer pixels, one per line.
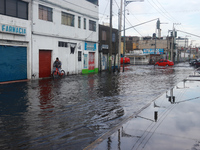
[
  {"x": 124, "y": 43},
  {"x": 172, "y": 46},
  {"x": 110, "y": 44},
  {"x": 174, "y": 35},
  {"x": 119, "y": 34}
]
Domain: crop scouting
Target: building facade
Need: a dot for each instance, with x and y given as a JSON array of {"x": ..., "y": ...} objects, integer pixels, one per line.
[
  {"x": 15, "y": 40},
  {"x": 34, "y": 32},
  {"x": 104, "y": 41},
  {"x": 67, "y": 30}
]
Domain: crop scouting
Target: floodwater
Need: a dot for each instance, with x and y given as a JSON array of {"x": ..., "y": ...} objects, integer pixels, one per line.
[{"x": 72, "y": 112}]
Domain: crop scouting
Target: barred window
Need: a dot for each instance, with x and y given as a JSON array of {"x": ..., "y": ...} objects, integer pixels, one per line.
[
  {"x": 92, "y": 25},
  {"x": 62, "y": 44},
  {"x": 79, "y": 55},
  {"x": 67, "y": 19},
  {"x": 45, "y": 13}
]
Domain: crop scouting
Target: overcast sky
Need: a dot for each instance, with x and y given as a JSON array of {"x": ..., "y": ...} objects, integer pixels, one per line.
[{"x": 184, "y": 12}]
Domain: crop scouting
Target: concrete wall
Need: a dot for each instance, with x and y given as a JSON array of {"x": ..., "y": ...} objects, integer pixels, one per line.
[{"x": 149, "y": 44}]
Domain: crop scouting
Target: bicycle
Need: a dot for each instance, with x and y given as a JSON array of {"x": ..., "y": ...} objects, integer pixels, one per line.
[{"x": 56, "y": 73}]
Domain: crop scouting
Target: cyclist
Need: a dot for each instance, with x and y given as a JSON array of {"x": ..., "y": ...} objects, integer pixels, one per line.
[{"x": 57, "y": 64}]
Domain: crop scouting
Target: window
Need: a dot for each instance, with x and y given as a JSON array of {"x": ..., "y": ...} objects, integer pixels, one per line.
[
  {"x": 62, "y": 44},
  {"x": 45, "y": 13},
  {"x": 84, "y": 23},
  {"x": 11, "y": 8},
  {"x": 93, "y": 1},
  {"x": 113, "y": 37},
  {"x": 22, "y": 10},
  {"x": 67, "y": 19},
  {"x": 92, "y": 25},
  {"x": 104, "y": 35},
  {"x": 2, "y": 9},
  {"x": 79, "y": 55},
  {"x": 14, "y": 8},
  {"x": 79, "y": 22}
]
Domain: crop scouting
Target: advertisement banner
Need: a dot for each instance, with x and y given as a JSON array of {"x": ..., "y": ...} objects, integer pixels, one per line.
[
  {"x": 91, "y": 61},
  {"x": 152, "y": 51},
  {"x": 90, "y": 46}
]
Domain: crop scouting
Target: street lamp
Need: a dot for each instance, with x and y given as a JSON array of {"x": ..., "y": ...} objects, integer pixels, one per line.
[{"x": 126, "y": 2}]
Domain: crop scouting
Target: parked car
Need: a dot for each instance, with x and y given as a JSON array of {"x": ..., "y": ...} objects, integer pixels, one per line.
[
  {"x": 164, "y": 62},
  {"x": 126, "y": 60}
]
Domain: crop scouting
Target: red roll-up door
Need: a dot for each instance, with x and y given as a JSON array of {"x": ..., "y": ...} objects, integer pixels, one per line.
[{"x": 44, "y": 63}]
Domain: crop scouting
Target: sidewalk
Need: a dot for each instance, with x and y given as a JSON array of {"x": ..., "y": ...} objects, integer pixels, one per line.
[{"x": 171, "y": 122}]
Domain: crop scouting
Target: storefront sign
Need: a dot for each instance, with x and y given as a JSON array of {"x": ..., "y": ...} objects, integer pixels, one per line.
[
  {"x": 104, "y": 47},
  {"x": 12, "y": 29},
  {"x": 90, "y": 46},
  {"x": 152, "y": 51}
]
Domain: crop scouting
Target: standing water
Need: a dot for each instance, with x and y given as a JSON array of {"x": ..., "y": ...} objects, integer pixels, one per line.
[{"x": 72, "y": 112}]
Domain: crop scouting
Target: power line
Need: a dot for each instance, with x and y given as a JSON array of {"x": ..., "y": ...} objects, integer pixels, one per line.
[
  {"x": 159, "y": 11},
  {"x": 166, "y": 10},
  {"x": 104, "y": 12}
]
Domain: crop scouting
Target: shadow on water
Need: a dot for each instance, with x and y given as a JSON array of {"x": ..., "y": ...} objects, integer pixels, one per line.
[{"x": 72, "y": 112}]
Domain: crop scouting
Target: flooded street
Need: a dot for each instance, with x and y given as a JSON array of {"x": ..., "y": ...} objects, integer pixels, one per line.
[{"x": 72, "y": 112}]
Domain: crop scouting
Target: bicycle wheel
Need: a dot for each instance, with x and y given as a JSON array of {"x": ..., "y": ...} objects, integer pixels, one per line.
[
  {"x": 55, "y": 74},
  {"x": 62, "y": 73}
]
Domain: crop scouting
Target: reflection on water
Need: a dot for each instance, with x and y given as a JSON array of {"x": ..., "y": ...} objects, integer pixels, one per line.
[
  {"x": 175, "y": 124},
  {"x": 72, "y": 112}
]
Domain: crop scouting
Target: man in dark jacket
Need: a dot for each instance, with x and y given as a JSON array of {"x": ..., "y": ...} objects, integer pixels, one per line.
[{"x": 57, "y": 64}]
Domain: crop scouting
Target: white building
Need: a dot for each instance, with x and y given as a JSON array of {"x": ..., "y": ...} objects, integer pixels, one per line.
[
  {"x": 34, "y": 32},
  {"x": 66, "y": 29},
  {"x": 15, "y": 40}
]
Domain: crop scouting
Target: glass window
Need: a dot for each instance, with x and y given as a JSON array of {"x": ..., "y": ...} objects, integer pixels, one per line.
[
  {"x": 113, "y": 37},
  {"x": 14, "y": 8},
  {"x": 104, "y": 35},
  {"x": 11, "y": 8},
  {"x": 79, "y": 22},
  {"x": 93, "y": 1},
  {"x": 45, "y": 13},
  {"x": 22, "y": 10},
  {"x": 84, "y": 23},
  {"x": 92, "y": 25},
  {"x": 2, "y": 6},
  {"x": 79, "y": 55},
  {"x": 67, "y": 19}
]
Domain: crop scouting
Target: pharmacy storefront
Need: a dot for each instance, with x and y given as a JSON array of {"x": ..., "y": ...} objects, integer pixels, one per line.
[
  {"x": 90, "y": 58},
  {"x": 14, "y": 52}
]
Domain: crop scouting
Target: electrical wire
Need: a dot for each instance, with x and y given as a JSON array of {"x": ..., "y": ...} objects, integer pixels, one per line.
[{"x": 104, "y": 12}]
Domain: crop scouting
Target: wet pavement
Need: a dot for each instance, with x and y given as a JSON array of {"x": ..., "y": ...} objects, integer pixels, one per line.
[
  {"x": 171, "y": 122},
  {"x": 73, "y": 112}
]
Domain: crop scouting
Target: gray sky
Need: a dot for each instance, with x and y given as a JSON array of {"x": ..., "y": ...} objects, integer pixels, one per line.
[{"x": 184, "y": 12}]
